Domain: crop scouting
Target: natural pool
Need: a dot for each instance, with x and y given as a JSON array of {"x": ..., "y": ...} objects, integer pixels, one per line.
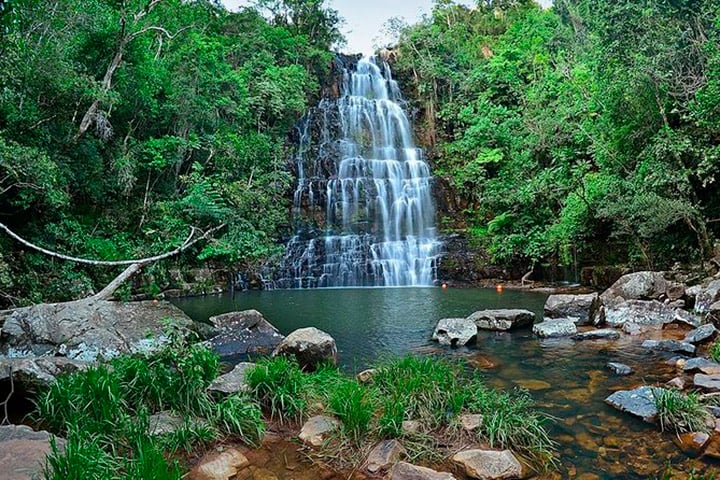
[{"x": 567, "y": 378}]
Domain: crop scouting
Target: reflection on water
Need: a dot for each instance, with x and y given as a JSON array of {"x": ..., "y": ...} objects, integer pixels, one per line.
[{"x": 568, "y": 379}]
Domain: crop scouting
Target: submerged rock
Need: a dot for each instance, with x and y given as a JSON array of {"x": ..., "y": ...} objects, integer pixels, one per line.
[
  {"x": 584, "y": 308},
  {"x": 23, "y": 452},
  {"x": 244, "y": 333},
  {"x": 639, "y": 402},
  {"x": 489, "y": 464},
  {"x": 408, "y": 471},
  {"x": 600, "y": 334},
  {"x": 315, "y": 431},
  {"x": 384, "y": 455},
  {"x": 233, "y": 381},
  {"x": 701, "y": 334},
  {"x": 455, "y": 331},
  {"x": 502, "y": 319},
  {"x": 561, "y": 327},
  {"x": 310, "y": 346},
  {"x": 619, "y": 368},
  {"x": 669, "y": 346}
]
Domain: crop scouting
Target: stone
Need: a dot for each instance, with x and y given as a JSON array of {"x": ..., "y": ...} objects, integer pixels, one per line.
[
  {"x": 669, "y": 346},
  {"x": 677, "y": 383},
  {"x": 687, "y": 318},
  {"x": 242, "y": 334},
  {"x": 23, "y": 452},
  {"x": 691, "y": 443},
  {"x": 584, "y": 308},
  {"x": 471, "y": 421},
  {"x": 707, "y": 296},
  {"x": 455, "y": 331},
  {"x": 599, "y": 334},
  {"x": 310, "y": 346},
  {"x": 233, "y": 381},
  {"x": 411, "y": 427},
  {"x": 163, "y": 423},
  {"x": 702, "y": 365},
  {"x": 384, "y": 455},
  {"x": 619, "y": 368},
  {"x": 502, "y": 320},
  {"x": 641, "y": 312},
  {"x": 219, "y": 466},
  {"x": 315, "y": 431},
  {"x": 639, "y": 402},
  {"x": 36, "y": 373},
  {"x": 408, "y": 471},
  {"x": 635, "y": 286},
  {"x": 701, "y": 334},
  {"x": 707, "y": 382},
  {"x": 632, "y": 329},
  {"x": 366, "y": 376},
  {"x": 89, "y": 330},
  {"x": 561, "y": 327},
  {"x": 489, "y": 464}
]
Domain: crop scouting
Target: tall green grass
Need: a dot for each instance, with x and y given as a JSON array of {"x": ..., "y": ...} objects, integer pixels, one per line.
[{"x": 681, "y": 412}]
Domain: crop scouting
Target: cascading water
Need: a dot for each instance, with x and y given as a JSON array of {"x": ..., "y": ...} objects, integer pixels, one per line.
[{"x": 363, "y": 209}]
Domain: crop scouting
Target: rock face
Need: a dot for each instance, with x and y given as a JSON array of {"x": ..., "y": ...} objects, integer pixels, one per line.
[
  {"x": 219, "y": 466},
  {"x": 502, "y": 320},
  {"x": 384, "y": 455},
  {"x": 408, "y": 471},
  {"x": 233, "y": 381},
  {"x": 23, "y": 452},
  {"x": 600, "y": 334},
  {"x": 244, "y": 333},
  {"x": 35, "y": 373},
  {"x": 489, "y": 464},
  {"x": 314, "y": 432},
  {"x": 561, "y": 327},
  {"x": 707, "y": 296},
  {"x": 669, "y": 346},
  {"x": 701, "y": 334},
  {"x": 639, "y": 402},
  {"x": 86, "y": 330},
  {"x": 636, "y": 286},
  {"x": 640, "y": 312},
  {"x": 584, "y": 308},
  {"x": 455, "y": 331},
  {"x": 310, "y": 346}
]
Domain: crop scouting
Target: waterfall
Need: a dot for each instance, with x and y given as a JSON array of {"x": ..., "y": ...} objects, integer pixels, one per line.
[{"x": 363, "y": 209}]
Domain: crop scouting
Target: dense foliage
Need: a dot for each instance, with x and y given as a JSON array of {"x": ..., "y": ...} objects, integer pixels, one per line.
[
  {"x": 123, "y": 123},
  {"x": 590, "y": 129}
]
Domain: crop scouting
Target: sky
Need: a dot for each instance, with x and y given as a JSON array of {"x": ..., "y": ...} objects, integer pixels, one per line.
[{"x": 364, "y": 19}]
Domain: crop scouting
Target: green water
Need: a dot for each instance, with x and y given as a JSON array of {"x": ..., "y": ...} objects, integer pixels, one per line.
[{"x": 567, "y": 378}]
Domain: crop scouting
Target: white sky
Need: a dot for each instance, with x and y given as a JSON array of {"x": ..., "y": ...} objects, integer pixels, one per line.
[{"x": 364, "y": 19}]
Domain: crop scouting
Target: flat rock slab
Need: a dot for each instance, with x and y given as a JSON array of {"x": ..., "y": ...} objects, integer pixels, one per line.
[
  {"x": 699, "y": 364},
  {"x": 641, "y": 312},
  {"x": 310, "y": 346},
  {"x": 243, "y": 334},
  {"x": 562, "y": 327},
  {"x": 489, "y": 464},
  {"x": 315, "y": 431},
  {"x": 408, "y": 471},
  {"x": 384, "y": 455},
  {"x": 455, "y": 331},
  {"x": 502, "y": 320},
  {"x": 584, "y": 308},
  {"x": 233, "y": 381},
  {"x": 219, "y": 466},
  {"x": 710, "y": 383},
  {"x": 619, "y": 368},
  {"x": 23, "y": 452},
  {"x": 701, "y": 334},
  {"x": 669, "y": 346},
  {"x": 600, "y": 334},
  {"x": 639, "y": 402}
]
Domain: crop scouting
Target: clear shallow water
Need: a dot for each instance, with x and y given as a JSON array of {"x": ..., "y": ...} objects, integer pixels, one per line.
[{"x": 568, "y": 379}]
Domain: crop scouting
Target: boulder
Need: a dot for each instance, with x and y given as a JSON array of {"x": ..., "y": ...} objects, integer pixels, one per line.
[
  {"x": 560, "y": 327},
  {"x": 315, "y": 431},
  {"x": 384, "y": 455},
  {"x": 23, "y": 452},
  {"x": 455, "y": 331},
  {"x": 310, "y": 346},
  {"x": 502, "y": 320},
  {"x": 639, "y": 402},
  {"x": 219, "y": 466},
  {"x": 233, "y": 381},
  {"x": 701, "y": 334},
  {"x": 640, "y": 312},
  {"x": 600, "y": 334},
  {"x": 711, "y": 383},
  {"x": 244, "y": 333},
  {"x": 699, "y": 364},
  {"x": 489, "y": 464},
  {"x": 707, "y": 296},
  {"x": 35, "y": 373},
  {"x": 87, "y": 330},
  {"x": 619, "y": 368},
  {"x": 471, "y": 421},
  {"x": 687, "y": 318},
  {"x": 669, "y": 346},
  {"x": 635, "y": 286},
  {"x": 584, "y": 308},
  {"x": 408, "y": 471}
]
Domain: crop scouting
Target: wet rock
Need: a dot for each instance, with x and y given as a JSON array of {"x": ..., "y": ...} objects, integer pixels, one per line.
[
  {"x": 408, "y": 471},
  {"x": 502, "y": 320},
  {"x": 87, "y": 330},
  {"x": 471, "y": 421},
  {"x": 531, "y": 384},
  {"x": 233, "y": 381},
  {"x": 33, "y": 374},
  {"x": 411, "y": 427},
  {"x": 315, "y": 431},
  {"x": 619, "y": 368},
  {"x": 455, "y": 331},
  {"x": 310, "y": 346},
  {"x": 489, "y": 464},
  {"x": 691, "y": 443},
  {"x": 707, "y": 296},
  {"x": 366, "y": 376},
  {"x": 638, "y": 402},
  {"x": 669, "y": 346},
  {"x": 701, "y": 334},
  {"x": 561, "y": 327},
  {"x": 600, "y": 334},
  {"x": 702, "y": 365},
  {"x": 244, "y": 333},
  {"x": 635, "y": 286},
  {"x": 23, "y": 452},
  {"x": 584, "y": 308},
  {"x": 677, "y": 383},
  {"x": 219, "y": 466},
  {"x": 640, "y": 312},
  {"x": 384, "y": 455},
  {"x": 710, "y": 383}
]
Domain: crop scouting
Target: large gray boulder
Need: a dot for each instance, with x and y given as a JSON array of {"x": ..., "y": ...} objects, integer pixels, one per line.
[
  {"x": 244, "y": 333},
  {"x": 455, "y": 331},
  {"x": 35, "y": 373},
  {"x": 489, "y": 464},
  {"x": 310, "y": 346},
  {"x": 640, "y": 312},
  {"x": 636, "y": 286},
  {"x": 554, "y": 328},
  {"x": 639, "y": 402},
  {"x": 584, "y": 308},
  {"x": 23, "y": 452},
  {"x": 87, "y": 330},
  {"x": 502, "y": 319},
  {"x": 707, "y": 296}
]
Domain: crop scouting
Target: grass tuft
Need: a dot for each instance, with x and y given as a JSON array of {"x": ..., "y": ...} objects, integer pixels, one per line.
[{"x": 681, "y": 412}]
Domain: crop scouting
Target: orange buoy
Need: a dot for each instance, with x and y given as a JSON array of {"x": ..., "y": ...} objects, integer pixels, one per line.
[
  {"x": 444, "y": 286},
  {"x": 499, "y": 288}
]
